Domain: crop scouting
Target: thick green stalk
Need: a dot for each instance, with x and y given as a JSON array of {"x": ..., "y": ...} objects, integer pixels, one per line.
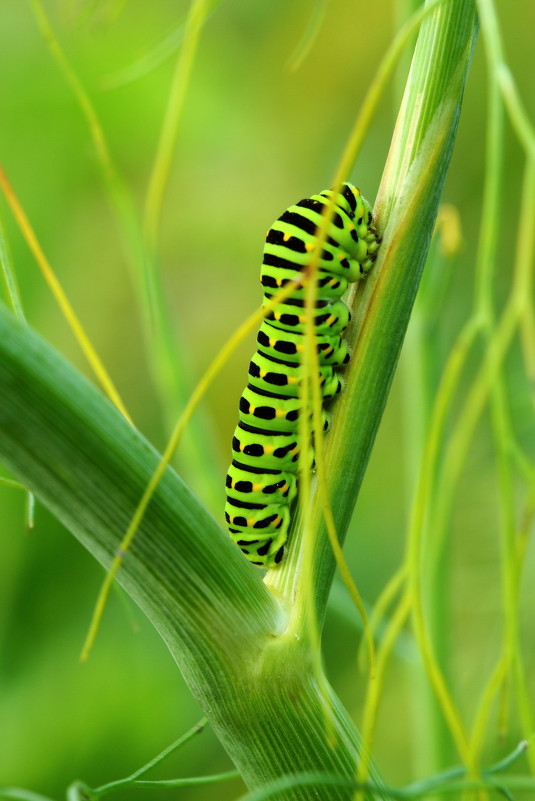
[
  {"x": 406, "y": 210},
  {"x": 224, "y": 628}
]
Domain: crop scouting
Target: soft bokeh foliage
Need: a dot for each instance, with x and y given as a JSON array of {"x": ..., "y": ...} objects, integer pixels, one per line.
[{"x": 254, "y": 138}]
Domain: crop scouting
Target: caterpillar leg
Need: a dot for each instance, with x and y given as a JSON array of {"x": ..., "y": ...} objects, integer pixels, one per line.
[
  {"x": 261, "y": 535},
  {"x": 264, "y": 553}
]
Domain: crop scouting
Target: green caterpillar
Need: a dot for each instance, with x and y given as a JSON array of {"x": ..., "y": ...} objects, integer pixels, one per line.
[{"x": 262, "y": 479}]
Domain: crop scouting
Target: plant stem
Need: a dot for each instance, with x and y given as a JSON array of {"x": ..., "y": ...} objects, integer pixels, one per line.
[
  {"x": 224, "y": 628},
  {"x": 406, "y": 211}
]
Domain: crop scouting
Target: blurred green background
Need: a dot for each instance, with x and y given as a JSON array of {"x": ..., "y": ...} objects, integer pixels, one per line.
[{"x": 254, "y": 138}]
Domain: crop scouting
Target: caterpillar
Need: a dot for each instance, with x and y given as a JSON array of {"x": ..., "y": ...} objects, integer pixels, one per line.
[{"x": 261, "y": 482}]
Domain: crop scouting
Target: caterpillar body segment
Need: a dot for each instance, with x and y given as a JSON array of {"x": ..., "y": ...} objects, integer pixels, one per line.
[
  {"x": 276, "y": 486},
  {"x": 288, "y": 345},
  {"x": 329, "y": 318},
  {"x": 279, "y": 413},
  {"x": 261, "y": 482},
  {"x": 270, "y": 372}
]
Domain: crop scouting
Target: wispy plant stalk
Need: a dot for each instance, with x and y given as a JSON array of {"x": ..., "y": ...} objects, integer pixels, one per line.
[{"x": 168, "y": 361}]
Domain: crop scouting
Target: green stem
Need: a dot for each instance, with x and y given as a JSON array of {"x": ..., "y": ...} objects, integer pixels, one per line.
[
  {"x": 416, "y": 360},
  {"x": 134, "y": 777},
  {"x": 164, "y": 154},
  {"x": 9, "y": 278},
  {"x": 191, "y": 781},
  {"x": 406, "y": 211},
  {"x": 225, "y": 629}
]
